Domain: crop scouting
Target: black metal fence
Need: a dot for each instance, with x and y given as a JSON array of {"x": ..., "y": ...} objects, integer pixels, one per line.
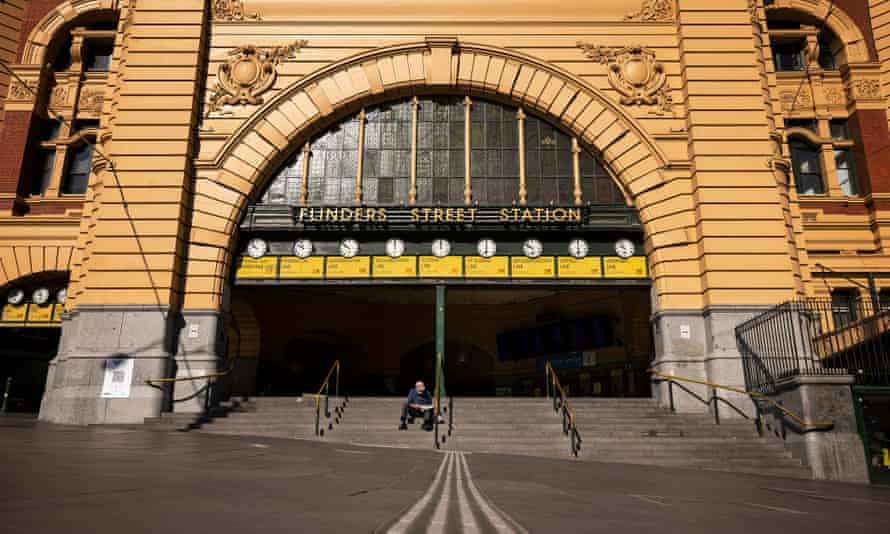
[{"x": 816, "y": 337}]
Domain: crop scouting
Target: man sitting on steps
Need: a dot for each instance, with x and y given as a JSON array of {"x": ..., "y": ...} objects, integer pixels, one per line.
[{"x": 419, "y": 403}]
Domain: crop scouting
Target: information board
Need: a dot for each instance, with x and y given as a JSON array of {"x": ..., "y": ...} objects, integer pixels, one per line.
[
  {"x": 40, "y": 313},
  {"x": 301, "y": 268},
  {"x": 590, "y": 267},
  {"x": 542, "y": 267},
  {"x": 355, "y": 267},
  {"x": 118, "y": 377},
  {"x": 477, "y": 267},
  {"x": 256, "y": 267},
  {"x": 447, "y": 267},
  {"x": 14, "y": 314},
  {"x": 401, "y": 267},
  {"x": 633, "y": 267}
]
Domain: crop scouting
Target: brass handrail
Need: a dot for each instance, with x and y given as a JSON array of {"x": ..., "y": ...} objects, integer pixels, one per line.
[
  {"x": 569, "y": 426},
  {"x": 325, "y": 390},
  {"x": 753, "y": 394}
]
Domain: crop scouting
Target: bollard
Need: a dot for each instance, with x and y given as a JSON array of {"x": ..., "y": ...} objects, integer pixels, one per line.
[{"x": 5, "y": 407}]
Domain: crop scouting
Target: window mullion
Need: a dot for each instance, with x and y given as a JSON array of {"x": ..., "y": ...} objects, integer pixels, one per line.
[
  {"x": 468, "y": 189},
  {"x": 304, "y": 188},
  {"x": 412, "y": 193},
  {"x": 523, "y": 192},
  {"x": 576, "y": 171},
  {"x": 360, "y": 156}
]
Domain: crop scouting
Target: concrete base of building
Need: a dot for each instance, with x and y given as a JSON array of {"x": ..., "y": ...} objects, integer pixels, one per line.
[
  {"x": 701, "y": 345},
  {"x": 835, "y": 454},
  {"x": 93, "y": 338}
]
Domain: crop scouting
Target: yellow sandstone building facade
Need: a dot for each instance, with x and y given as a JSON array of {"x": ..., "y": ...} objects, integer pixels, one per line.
[{"x": 186, "y": 168}]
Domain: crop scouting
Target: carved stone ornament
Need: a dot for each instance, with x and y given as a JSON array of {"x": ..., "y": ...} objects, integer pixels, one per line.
[
  {"x": 91, "y": 100},
  {"x": 20, "y": 92},
  {"x": 796, "y": 100},
  {"x": 248, "y": 72},
  {"x": 654, "y": 11},
  {"x": 633, "y": 72},
  {"x": 834, "y": 97},
  {"x": 865, "y": 89},
  {"x": 59, "y": 96},
  {"x": 231, "y": 10}
]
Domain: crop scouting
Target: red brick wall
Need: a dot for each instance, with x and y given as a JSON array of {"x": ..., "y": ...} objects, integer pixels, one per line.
[
  {"x": 14, "y": 140},
  {"x": 869, "y": 128}
]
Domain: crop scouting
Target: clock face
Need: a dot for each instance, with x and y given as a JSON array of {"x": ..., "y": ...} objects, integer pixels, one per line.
[
  {"x": 302, "y": 248},
  {"x": 578, "y": 248},
  {"x": 257, "y": 248},
  {"x": 532, "y": 248},
  {"x": 348, "y": 247},
  {"x": 624, "y": 248},
  {"x": 486, "y": 247},
  {"x": 15, "y": 297},
  {"x": 395, "y": 247},
  {"x": 441, "y": 247},
  {"x": 61, "y": 296},
  {"x": 40, "y": 296}
]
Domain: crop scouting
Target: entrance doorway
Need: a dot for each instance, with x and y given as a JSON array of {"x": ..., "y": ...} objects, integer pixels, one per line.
[{"x": 497, "y": 338}]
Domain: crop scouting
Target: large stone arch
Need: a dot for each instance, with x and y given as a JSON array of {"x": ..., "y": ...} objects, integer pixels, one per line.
[
  {"x": 841, "y": 24},
  {"x": 245, "y": 163},
  {"x": 34, "y": 51}
]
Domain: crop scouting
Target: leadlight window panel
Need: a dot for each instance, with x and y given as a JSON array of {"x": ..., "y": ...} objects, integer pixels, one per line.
[
  {"x": 333, "y": 163},
  {"x": 43, "y": 171},
  {"x": 807, "y": 169},
  {"x": 77, "y": 175},
  {"x": 826, "y": 56},
  {"x": 98, "y": 57},
  {"x": 494, "y": 156},
  {"x": 597, "y": 187},
  {"x": 386, "y": 166},
  {"x": 846, "y": 172},
  {"x": 286, "y": 187},
  {"x": 440, "y": 150},
  {"x": 548, "y": 164},
  {"x": 788, "y": 57},
  {"x": 843, "y": 307}
]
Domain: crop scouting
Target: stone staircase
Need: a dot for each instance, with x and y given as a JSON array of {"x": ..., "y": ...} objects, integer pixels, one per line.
[{"x": 613, "y": 430}]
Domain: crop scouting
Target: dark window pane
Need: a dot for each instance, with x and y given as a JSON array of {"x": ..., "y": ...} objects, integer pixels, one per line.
[
  {"x": 78, "y": 174},
  {"x": 807, "y": 169},
  {"x": 43, "y": 172},
  {"x": 98, "y": 57},
  {"x": 846, "y": 172},
  {"x": 808, "y": 124},
  {"x": 839, "y": 129},
  {"x": 826, "y": 56},
  {"x": 788, "y": 57}
]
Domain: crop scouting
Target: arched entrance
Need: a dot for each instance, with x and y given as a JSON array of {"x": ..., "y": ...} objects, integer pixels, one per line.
[
  {"x": 30, "y": 328},
  {"x": 531, "y": 235}
]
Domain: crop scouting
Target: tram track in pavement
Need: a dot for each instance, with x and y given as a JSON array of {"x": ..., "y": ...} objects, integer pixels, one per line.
[{"x": 453, "y": 503}]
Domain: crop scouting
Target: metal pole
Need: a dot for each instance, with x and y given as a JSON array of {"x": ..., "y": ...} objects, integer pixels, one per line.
[
  {"x": 671, "y": 394},
  {"x": 873, "y": 291},
  {"x": 716, "y": 409},
  {"x": 5, "y": 407},
  {"x": 337, "y": 383},
  {"x": 440, "y": 341}
]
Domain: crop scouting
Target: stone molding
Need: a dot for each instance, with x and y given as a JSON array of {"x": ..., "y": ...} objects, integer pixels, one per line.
[
  {"x": 653, "y": 11},
  {"x": 634, "y": 73},
  {"x": 43, "y": 32},
  {"x": 231, "y": 11},
  {"x": 835, "y": 18}
]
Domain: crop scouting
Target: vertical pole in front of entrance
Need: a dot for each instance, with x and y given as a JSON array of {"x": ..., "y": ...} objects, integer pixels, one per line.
[{"x": 440, "y": 355}]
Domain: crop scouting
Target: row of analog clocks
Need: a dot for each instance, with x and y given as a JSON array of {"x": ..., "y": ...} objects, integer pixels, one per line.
[
  {"x": 486, "y": 247},
  {"x": 40, "y": 296}
]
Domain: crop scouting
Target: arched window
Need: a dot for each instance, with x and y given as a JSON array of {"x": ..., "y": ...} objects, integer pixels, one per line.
[{"x": 416, "y": 151}]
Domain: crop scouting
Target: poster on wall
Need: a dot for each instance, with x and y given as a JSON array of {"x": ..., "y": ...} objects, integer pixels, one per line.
[{"x": 118, "y": 376}]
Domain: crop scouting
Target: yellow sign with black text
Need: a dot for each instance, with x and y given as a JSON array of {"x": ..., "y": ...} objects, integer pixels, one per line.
[
  {"x": 477, "y": 267},
  {"x": 355, "y": 267},
  {"x": 301, "y": 268},
  {"x": 447, "y": 267},
  {"x": 532, "y": 267},
  {"x": 57, "y": 313},
  {"x": 401, "y": 267},
  {"x": 14, "y": 314},
  {"x": 633, "y": 267},
  {"x": 590, "y": 267},
  {"x": 256, "y": 267},
  {"x": 43, "y": 314}
]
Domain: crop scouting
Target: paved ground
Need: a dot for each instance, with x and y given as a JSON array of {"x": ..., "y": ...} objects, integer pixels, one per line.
[{"x": 110, "y": 480}]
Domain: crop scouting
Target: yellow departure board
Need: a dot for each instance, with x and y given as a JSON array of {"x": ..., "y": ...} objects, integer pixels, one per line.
[
  {"x": 355, "y": 267},
  {"x": 633, "y": 267},
  {"x": 256, "y": 267},
  {"x": 478, "y": 267},
  {"x": 401, "y": 267},
  {"x": 301, "y": 268},
  {"x": 590, "y": 267},
  {"x": 532, "y": 267},
  {"x": 447, "y": 267},
  {"x": 14, "y": 313},
  {"x": 40, "y": 313}
]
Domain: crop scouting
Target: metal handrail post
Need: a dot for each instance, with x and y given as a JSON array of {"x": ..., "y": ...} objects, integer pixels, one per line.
[
  {"x": 337, "y": 382},
  {"x": 716, "y": 408},
  {"x": 671, "y": 395}
]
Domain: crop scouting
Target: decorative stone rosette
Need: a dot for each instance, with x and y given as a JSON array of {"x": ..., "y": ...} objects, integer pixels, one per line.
[
  {"x": 248, "y": 72},
  {"x": 634, "y": 73}
]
